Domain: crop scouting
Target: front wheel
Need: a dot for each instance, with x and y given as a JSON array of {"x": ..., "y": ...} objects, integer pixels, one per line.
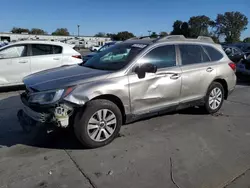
[
  {"x": 214, "y": 98},
  {"x": 99, "y": 123}
]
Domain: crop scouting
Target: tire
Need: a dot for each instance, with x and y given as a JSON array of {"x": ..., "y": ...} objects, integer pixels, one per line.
[
  {"x": 92, "y": 132},
  {"x": 209, "y": 102}
]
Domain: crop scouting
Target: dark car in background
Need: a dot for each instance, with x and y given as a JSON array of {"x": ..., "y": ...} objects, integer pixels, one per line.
[
  {"x": 245, "y": 47},
  {"x": 234, "y": 53},
  {"x": 104, "y": 47}
]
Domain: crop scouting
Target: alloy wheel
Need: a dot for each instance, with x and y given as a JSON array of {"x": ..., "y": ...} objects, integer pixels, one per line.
[
  {"x": 102, "y": 125},
  {"x": 215, "y": 98}
]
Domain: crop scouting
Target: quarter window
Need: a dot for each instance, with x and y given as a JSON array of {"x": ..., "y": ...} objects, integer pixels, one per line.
[
  {"x": 57, "y": 49},
  {"x": 214, "y": 54},
  {"x": 193, "y": 54},
  {"x": 162, "y": 57},
  {"x": 14, "y": 52}
]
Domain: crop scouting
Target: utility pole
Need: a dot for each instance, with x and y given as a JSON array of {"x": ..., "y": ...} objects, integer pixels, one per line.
[
  {"x": 149, "y": 32},
  {"x": 78, "y": 29}
]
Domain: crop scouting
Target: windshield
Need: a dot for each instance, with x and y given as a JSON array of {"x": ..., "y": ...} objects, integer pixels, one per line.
[
  {"x": 115, "y": 57},
  {"x": 103, "y": 48}
]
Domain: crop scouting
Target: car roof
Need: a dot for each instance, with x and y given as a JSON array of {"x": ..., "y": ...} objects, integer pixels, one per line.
[{"x": 40, "y": 42}]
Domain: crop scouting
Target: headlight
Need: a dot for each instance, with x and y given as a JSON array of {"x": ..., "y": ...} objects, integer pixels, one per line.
[{"x": 46, "y": 97}]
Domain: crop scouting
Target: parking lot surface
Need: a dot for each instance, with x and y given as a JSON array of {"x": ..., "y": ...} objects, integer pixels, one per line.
[{"x": 184, "y": 149}]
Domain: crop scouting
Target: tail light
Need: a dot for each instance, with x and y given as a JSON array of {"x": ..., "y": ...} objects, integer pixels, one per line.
[
  {"x": 233, "y": 66},
  {"x": 77, "y": 56}
]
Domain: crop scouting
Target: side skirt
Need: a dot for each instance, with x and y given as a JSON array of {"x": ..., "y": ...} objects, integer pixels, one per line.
[{"x": 135, "y": 117}]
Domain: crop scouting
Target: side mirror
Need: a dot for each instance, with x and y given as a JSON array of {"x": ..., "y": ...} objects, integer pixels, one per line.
[{"x": 144, "y": 68}]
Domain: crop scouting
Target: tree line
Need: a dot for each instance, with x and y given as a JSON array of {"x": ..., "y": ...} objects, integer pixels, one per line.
[
  {"x": 37, "y": 31},
  {"x": 229, "y": 26}
]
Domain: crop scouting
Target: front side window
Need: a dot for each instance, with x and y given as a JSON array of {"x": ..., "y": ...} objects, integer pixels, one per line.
[
  {"x": 115, "y": 57},
  {"x": 192, "y": 54},
  {"x": 41, "y": 49},
  {"x": 162, "y": 57},
  {"x": 13, "y": 52}
]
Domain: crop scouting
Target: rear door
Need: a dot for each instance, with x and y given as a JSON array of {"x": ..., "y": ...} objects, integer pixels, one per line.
[
  {"x": 14, "y": 64},
  {"x": 45, "y": 56},
  {"x": 197, "y": 72}
]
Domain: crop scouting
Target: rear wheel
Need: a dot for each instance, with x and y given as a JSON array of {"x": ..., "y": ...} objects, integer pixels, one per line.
[
  {"x": 98, "y": 124},
  {"x": 214, "y": 98}
]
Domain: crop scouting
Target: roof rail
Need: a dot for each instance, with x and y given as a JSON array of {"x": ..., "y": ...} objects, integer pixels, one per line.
[
  {"x": 205, "y": 39},
  {"x": 171, "y": 37},
  {"x": 175, "y": 37},
  {"x": 136, "y": 38}
]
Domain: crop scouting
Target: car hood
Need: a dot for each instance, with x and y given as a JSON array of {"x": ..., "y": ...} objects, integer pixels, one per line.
[
  {"x": 63, "y": 77},
  {"x": 91, "y": 54}
]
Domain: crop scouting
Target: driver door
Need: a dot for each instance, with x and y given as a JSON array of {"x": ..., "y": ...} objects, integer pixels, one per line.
[{"x": 156, "y": 90}]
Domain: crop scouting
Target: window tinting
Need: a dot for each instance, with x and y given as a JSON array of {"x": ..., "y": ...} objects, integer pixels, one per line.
[
  {"x": 13, "y": 52},
  {"x": 41, "y": 49},
  {"x": 162, "y": 57},
  {"x": 192, "y": 54},
  {"x": 57, "y": 49},
  {"x": 214, "y": 54}
]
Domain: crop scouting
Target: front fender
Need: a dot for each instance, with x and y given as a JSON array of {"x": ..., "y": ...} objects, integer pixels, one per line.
[{"x": 86, "y": 92}]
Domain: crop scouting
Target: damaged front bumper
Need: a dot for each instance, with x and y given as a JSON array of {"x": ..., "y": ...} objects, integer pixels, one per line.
[{"x": 34, "y": 114}]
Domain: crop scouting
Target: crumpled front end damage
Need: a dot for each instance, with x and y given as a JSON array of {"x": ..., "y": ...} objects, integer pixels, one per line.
[
  {"x": 60, "y": 112},
  {"x": 36, "y": 115}
]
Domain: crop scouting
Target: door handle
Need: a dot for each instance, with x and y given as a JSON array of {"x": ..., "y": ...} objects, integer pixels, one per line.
[
  {"x": 175, "y": 76},
  {"x": 23, "y": 62},
  {"x": 161, "y": 74},
  {"x": 56, "y": 58},
  {"x": 209, "y": 69}
]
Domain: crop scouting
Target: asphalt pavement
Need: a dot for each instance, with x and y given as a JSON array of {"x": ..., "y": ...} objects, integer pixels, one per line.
[{"x": 185, "y": 149}]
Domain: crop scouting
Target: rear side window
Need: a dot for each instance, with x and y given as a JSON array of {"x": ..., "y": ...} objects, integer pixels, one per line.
[
  {"x": 41, "y": 49},
  {"x": 192, "y": 54},
  {"x": 214, "y": 54},
  {"x": 57, "y": 49}
]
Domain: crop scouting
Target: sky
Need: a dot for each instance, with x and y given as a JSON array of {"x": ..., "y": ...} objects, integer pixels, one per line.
[{"x": 111, "y": 16}]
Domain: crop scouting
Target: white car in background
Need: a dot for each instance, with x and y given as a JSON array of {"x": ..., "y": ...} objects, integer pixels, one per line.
[
  {"x": 95, "y": 48},
  {"x": 23, "y": 58}
]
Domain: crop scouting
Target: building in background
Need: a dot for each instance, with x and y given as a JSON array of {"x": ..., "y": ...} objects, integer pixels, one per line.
[{"x": 81, "y": 41}]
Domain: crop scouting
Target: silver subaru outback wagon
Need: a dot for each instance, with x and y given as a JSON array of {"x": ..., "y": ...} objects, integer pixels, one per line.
[{"x": 132, "y": 79}]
